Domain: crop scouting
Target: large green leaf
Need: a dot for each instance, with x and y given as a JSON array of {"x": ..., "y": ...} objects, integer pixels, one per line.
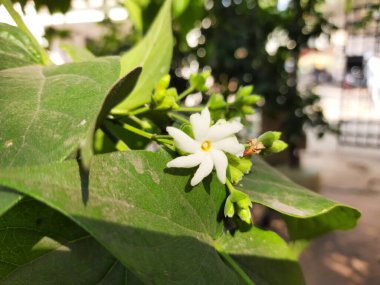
[
  {"x": 77, "y": 53},
  {"x": 41, "y": 246},
  {"x": 263, "y": 254},
  {"x": 46, "y": 113},
  {"x": 148, "y": 217},
  {"x": 307, "y": 213},
  {"x": 16, "y": 49},
  {"x": 8, "y": 199},
  {"x": 153, "y": 54}
]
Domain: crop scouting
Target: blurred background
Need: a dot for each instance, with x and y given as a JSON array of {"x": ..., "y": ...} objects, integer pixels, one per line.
[{"x": 316, "y": 63}]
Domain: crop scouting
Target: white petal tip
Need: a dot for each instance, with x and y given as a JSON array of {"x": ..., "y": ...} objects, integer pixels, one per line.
[{"x": 194, "y": 182}]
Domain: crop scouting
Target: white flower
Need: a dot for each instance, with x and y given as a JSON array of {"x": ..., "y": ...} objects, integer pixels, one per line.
[{"x": 207, "y": 150}]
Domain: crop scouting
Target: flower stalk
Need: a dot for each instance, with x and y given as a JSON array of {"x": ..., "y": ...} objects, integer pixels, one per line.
[{"x": 185, "y": 93}]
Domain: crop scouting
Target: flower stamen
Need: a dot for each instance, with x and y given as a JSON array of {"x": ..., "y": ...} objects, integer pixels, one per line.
[{"x": 206, "y": 145}]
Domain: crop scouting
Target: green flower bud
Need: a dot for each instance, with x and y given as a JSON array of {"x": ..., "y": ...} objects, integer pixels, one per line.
[
  {"x": 251, "y": 99},
  {"x": 244, "y": 203},
  {"x": 237, "y": 167},
  {"x": 234, "y": 174},
  {"x": 168, "y": 103},
  {"x": 229, "y": 209},
  {"x": 248, "y": 110},
  {"x": 237, "y": 196},
  {"x": 164, "y": 82},
  {"x": 245, "y": 215},
  {"x": 244, "y": 91},
  {"x": 172, "y": 92},
  {"x": 216, "y": 101},
  {"x": 198, "y": 81},
  {"x": 159, "y": 95},
  {"x": 268, "y": 138},
  {"x": 278, "y": 146},
  {"x": 245, "y": 164}
]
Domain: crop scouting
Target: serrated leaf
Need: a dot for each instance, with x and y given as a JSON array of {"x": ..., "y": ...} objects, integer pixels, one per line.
[
  {"x": 153, "y": 54},
  {"x": 307, "y": 213},
  {"x": 46, "y": 113},
  {"x": 16, "y": 49},
  {"x": 41, "y": 246},
  {"x": 148, "y": 217}
]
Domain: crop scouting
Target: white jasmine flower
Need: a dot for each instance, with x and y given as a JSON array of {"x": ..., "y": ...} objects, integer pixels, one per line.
[{"x": 208, "y": 147}]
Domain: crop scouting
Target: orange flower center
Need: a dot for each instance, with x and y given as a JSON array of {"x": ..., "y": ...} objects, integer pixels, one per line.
[{"x": 206, "y": 145}]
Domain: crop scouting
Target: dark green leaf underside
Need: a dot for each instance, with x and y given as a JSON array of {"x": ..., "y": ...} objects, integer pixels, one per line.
[
  {"x": 41, "y": 246},
  {"x": 303, "y": 209}
]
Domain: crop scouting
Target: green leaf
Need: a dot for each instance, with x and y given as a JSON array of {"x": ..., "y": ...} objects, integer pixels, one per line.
[
  {"x": 115, "y": 95},
  {"x": 47, "y": 113},
  {"x": 153, "y": 54},
  {"x": 8, "y": 199},
  {"x": 264, "y": 256},
  {"x": 307, "y": 213},
  {"x": 135, "y": 14},
  {"x": 38, "y": 245},
  {"x": 135, "y": 209},
  {"x": 179, "y": 6},
  {"x": 148, "y": 217},
  {"x": 76, "y": 53},
  {"x": 16, "y": 49}
]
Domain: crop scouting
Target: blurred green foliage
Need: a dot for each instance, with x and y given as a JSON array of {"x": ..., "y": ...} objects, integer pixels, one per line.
[
  {"x": 244, "y": 42},
  {"x": 254, "y": 42}
]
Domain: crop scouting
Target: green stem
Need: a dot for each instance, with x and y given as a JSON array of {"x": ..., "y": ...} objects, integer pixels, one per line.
[
  {"x": 185, "y": 93},
  {"x": 233, "y": 264},
  {"x": 190, "y": 109},
  {"x": 20, "y": 23},
  {"x": 138, "y": 131},
  {"x": 141, "y": 123},
  {"x": 178, "y": 117},
  {"x": 230, "y": 187},
  {"x": 139, "y": 111},
  {"x": 163, "y": 137},
  {"x": 120, "y": 144},
  {"x": 158, "y": 138}
]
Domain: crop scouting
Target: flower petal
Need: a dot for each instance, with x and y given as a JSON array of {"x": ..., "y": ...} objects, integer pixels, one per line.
[
  {"x": 221, "y": 163},
  {"x": 182, "y": 140},
  {"x": 231, "y": 145},
  {"x": 200, "y": 124},
  {"x": 223, "y": 129},
  {"x": 187, "y": 161},
  {"x": 203, "y": 170}
]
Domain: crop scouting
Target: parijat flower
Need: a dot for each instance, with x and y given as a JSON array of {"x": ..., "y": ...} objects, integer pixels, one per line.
[{"x": 208, "y": 147}]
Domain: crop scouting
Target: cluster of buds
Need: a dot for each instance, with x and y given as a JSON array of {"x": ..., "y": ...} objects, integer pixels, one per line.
[
  {"x": 245, "y": 100},
  {"x": 238, "y": 203},
  {"x": 268, "y": 143},
  {"x": 164, "y": 98},
  {"x": 198, "y": 81},
  {"x": 242, "y": 105}
]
